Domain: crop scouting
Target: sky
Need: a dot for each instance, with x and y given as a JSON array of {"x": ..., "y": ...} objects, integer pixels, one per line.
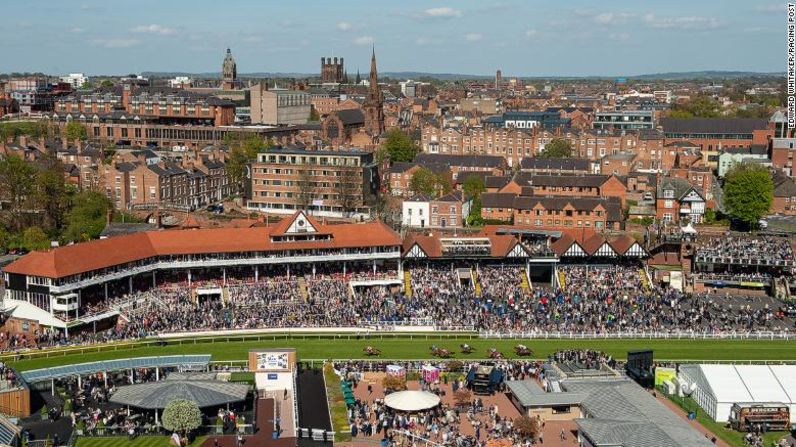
[{"x": 522, "y": 38}]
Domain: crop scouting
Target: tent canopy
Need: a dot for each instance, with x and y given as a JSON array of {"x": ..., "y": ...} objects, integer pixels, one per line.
[
  {"x": 411, "y": 400},
  {"x": 155, "y": 395}
]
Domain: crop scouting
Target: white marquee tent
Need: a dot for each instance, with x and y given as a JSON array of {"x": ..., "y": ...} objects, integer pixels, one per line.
[
  {"x": 718, "y": 387},
  {"x": 411, "y": 400}
]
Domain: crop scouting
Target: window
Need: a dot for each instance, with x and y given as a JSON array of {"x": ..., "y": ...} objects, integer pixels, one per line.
[
  {"x": 667, "y": 204},
  {"x": 668, "y": 193}
]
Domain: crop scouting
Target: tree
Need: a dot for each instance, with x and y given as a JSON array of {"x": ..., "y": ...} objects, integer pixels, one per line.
[
  {"x": 106, "y": 83},
  {"x": 748, "y": 192},
  {"x": 306, "y": 188},
  {"x": 18, "y": 189},
  {"x": 314, "y": 116},
  {"x": 473, "y": 186},
  {"x": 34, "y": 238},
  {"x": 393, "y": 383},
  {"x": 423, "y": 181},
  {"x": 700, "y": 106},
  {"x": 244, "y": 150},
  {"x": 348, "y": 187},
  {"x": 182, "y": 416},
  {"x": 474, "y": 217},
  {"x": 399, "y": 146},
  {"x": 527, "y": 427},
  {"x": 88, "y": 216},
  {"x": 557, "y": 148},
  {"x": 75, "y": 131},
  {"x": 51, "y": 191},
  {"x": 462, "y": 397}
]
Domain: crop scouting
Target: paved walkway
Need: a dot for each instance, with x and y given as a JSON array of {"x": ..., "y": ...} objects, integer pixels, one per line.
[
  {"x": 552, "y": 429},
  {"x": 262, "y": 437}
]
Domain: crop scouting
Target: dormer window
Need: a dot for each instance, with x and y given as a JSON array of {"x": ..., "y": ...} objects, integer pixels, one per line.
[{"x": 668, "y": 193}]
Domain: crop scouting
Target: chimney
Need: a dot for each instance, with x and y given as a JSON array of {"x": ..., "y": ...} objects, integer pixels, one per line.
[
  {"x": 23, "y": 141},
  {"x": 42, "y": 144},
  {"x": 79, "y": 145},
  {"x": 64, "y": 143}
]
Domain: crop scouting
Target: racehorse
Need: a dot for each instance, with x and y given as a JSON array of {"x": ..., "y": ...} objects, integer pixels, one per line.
[
  {"x": 494, "y": 354},
  {"x": 522, "y": 350},
  {"x": 370, "y": 350}
]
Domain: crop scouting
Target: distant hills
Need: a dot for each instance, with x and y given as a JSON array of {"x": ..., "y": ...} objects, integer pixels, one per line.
[{"x": 670, "y": 76}]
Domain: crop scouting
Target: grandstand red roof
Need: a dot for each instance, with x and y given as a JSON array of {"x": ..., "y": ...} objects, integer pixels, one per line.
[
  {"x": 500, "y": 244},
  {"x": 97, "y": 254}
]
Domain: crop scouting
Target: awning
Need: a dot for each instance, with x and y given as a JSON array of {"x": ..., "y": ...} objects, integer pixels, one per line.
[
  {"x": 156, "y": 395},
  {"x": 84, "y": 369},
  {"x": 411, "y": 400}
]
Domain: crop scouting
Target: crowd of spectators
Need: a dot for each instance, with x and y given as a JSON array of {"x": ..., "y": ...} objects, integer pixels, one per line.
[
  {"x": 763, "y": 248},
  {"x": 593, "y": 299}
]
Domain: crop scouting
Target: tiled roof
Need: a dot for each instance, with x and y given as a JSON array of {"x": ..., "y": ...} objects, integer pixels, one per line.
[
  {"x": 497, "y": 199},
  {"x": 713, "y": 125},
  {"x": 97, "y": 254},
  {"x": 562, "y": 164},
  {"x": 486, "y": 161}
]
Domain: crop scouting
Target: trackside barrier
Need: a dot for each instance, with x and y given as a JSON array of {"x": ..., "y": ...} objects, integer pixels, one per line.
[
  {"x": 663, "y": 335},
  {"x": 372, "y": 334}
]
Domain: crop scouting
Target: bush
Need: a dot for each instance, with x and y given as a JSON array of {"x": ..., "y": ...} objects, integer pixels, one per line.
[
  {"x": 181, "y": 415},
  {"x": 393, "y": 383},
  {"x": 646, "y": 221}
]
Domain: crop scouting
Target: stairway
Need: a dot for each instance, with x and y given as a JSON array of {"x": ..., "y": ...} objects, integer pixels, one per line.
[
  {"x": 524, "y": 283},
  {"x": 562, "y": 280},
  {"x": 476, "y": 282},
  {"x": 302, "y": 283},
  {"x": 407, "y": 283}
]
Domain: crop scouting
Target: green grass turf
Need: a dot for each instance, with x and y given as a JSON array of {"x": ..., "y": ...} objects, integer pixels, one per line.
[
  {"x": 418, "y": 348},
  {"x": 122, "y": 441},
  {"x": 337, "y": 407}
]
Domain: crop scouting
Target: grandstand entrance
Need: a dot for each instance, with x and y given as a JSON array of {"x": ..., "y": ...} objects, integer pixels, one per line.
[
  {"x": 465, "y": 276},
  {"x": 208, "y": 293}
]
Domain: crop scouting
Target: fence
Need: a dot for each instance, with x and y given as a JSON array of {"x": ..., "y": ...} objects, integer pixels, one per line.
[{"x": 662, "y": 335}]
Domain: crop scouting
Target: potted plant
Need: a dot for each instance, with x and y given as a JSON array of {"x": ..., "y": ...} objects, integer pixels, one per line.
[
  {"x": 219, "y": 425},
  {"x": 45, "y": 413},
  {"x": 101, "y": 427},
  {"x": 80, "y": 427}
]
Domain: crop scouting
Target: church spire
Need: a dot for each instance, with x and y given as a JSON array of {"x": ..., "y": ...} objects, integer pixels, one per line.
[{"x": 374, "y": 75}]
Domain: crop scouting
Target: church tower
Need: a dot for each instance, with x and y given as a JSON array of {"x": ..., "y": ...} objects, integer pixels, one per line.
[
  {"x": 374, "y": 103},
  {"x": 229, "y": 72}
]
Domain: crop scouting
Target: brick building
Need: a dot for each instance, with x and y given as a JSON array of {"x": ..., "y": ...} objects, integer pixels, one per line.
[
  {"x": 327, "y": 183},
  {"x": 145, "y": 182},
  {"x": 677, "y": 199},
  {"x": 784, "y": 200},
  {"x": 583, "y": 185}
]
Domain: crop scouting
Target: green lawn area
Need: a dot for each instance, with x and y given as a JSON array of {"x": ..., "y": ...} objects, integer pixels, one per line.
[
  {"x": 731, "y": 437},
  {"x": 337, "y": 406},
  {"x": 122, "y": 441},
  {"x": 418, "y": 348}
]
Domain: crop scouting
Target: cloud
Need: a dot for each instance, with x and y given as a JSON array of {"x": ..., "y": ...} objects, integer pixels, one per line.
[
  {"x": 153, "y": 29},
  {"x": 682, "y": 23},
  {"x": 473, "y": 37},
  {"x": 344, "y": 26},
  {"x": 613, "y": 18},
  {"x": 772, "y": 8},
  {"x": 444, "y": 12},
  {"x": 116, "y": 43},
  {"x": 364, "y": 40},
  {"x": 531, "y": 33},
  {"x": 76, "y": 30}
]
